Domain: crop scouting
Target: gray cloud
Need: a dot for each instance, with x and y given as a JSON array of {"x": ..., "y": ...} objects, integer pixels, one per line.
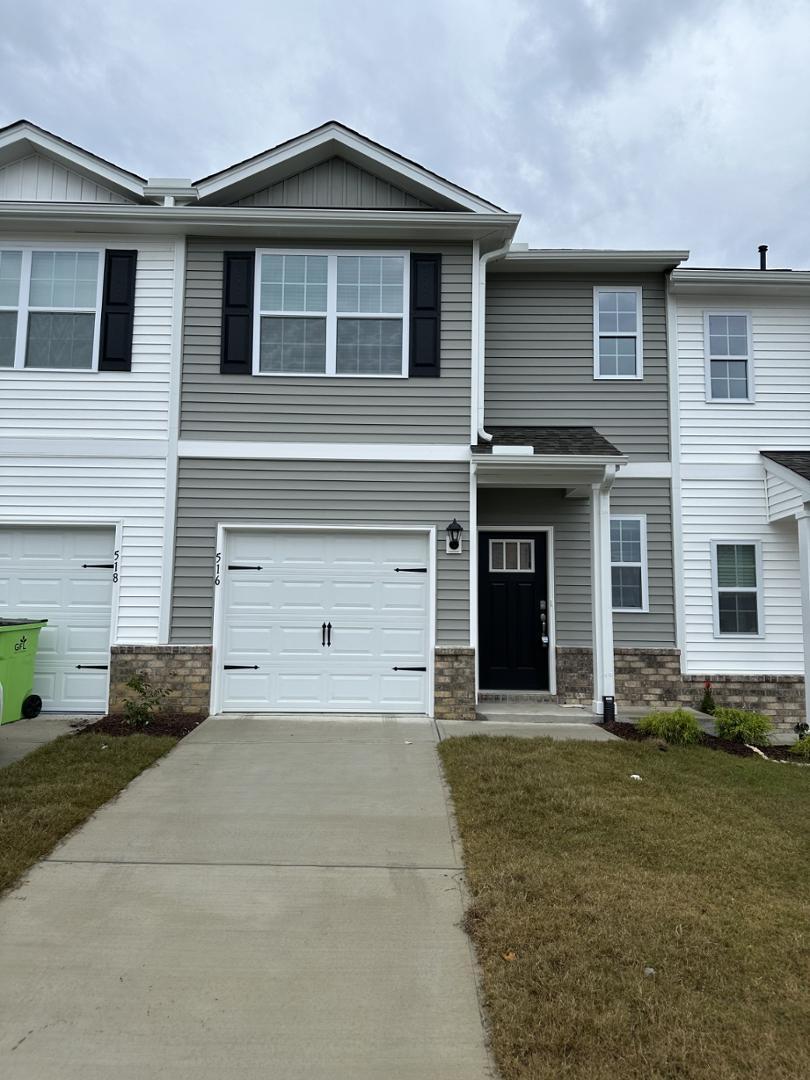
[{"x": 604, "y": 122}]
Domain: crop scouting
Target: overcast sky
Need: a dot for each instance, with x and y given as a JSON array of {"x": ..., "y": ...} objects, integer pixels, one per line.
[{"x": 631, "y": 123}]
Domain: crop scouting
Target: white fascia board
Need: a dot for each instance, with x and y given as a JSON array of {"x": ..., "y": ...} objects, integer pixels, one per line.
[
  {"x": 257, "y": 222},
  {"x": 321, "y": 451},
  {"x": 646, "y": 470},
  {"x": 747, "y": 282},
  {"x": 31, "y": 138},
  {"x": 521, "y": 460},
  {"x": 406, "y": 173},
  {"x": 587, "y": 259},
  {"x": 788, "y": 476}
]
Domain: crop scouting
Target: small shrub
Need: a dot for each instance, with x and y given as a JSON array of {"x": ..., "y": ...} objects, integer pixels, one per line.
[
  {"x": 743, "y": 726},
  {"x": 138, "y": 711},
  {"x": 802, "y": 748},
  {"x": 707, "y": 702},
  {"x": 678, "y": 727}
]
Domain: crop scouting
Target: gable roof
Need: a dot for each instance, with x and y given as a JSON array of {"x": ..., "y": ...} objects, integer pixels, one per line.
[
  {"x": 334, "y": 139},
  {"x": 23, "y": 139}
]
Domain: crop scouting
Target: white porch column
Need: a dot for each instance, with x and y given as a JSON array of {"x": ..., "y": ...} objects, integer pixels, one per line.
[
  {"x": 803, "y": 521},
  {"x": 601, "y": 590}
]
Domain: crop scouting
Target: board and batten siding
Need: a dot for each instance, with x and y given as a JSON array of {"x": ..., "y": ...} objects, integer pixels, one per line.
[
  {"x": 86, "y": 490},
  {"x": 724, "y": 491},
  {"x": 337, "y": 184},
  {"x": 314, "y": 409},
  {"x": 570, "y": 518},
  {"x": 104, "y": 404},
  {"x": 540, "y": 360},
  {"x": 389, "y": 494},
  {"x": 37, "y": 178}
]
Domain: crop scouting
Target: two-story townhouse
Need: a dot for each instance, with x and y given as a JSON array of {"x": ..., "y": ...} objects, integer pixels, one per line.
[
  {"x": 89, "y": 308},
  {"x": 742, "y": 463}
]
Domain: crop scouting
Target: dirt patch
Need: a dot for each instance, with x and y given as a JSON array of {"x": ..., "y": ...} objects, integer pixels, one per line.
[
  {"x": 176, "y": 725},
  {"x": 632, "y": 734}
]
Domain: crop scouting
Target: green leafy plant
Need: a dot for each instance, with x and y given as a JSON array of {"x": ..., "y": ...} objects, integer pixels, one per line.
[
  {"x": 802, "y": 748},
  {"x": 679, "y": 727},
  {"x": 707, "y": 702},
  {"x": 743, "y": 726},
  {"x": 146, "y": 705}
]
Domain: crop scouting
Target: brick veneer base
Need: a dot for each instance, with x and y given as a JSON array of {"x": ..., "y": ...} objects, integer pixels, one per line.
[
  {"x": 185, "y": 669},
  {"x": 652, "y": 677},
  {"x": 454, "y": 693}
]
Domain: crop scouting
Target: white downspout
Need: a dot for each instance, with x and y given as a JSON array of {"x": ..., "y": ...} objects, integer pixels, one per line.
[{"x": 480, "y": 295}]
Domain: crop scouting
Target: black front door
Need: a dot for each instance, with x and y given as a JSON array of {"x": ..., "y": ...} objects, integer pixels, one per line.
[{"x": 513, "y": 620}]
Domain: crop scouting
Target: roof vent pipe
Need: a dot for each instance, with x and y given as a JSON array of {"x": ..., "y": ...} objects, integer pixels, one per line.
[{"x": 763, "y": 256}]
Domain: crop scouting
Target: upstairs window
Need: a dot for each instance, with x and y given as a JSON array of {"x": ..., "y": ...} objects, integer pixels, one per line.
[
  {"x": 330, "y": 313},
  {"x": 737, "y": 579},
  {"x": 628, "y": 559},
  {"x": 728, "y": 357},
  {"x": 49, "y": 305},
  {"x": 617, "y": 327}
]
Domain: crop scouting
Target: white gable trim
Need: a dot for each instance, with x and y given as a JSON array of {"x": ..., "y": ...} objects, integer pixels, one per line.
[
  {"x": 22, "y": 139},
  {"x": 299, "y": 153},
  {"x": 802, "y": 486}
]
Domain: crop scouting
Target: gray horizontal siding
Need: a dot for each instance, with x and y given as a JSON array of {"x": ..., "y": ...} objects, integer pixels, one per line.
[
  {"x": 539, "y": 360},
  {"x": 210, "y": 492},
  {"x": 286, "y": 408},
  {"x": 337, "y": 184},
  {"x": 570, "y": 519}
]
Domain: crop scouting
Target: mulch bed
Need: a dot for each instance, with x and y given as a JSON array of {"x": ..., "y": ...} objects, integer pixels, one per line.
[
  {"x": 175, "y": 724},
  {"x": 632, "y": 734}
]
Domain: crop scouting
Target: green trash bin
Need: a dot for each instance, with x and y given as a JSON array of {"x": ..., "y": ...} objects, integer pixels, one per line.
[{"x": 18, "y": 653}]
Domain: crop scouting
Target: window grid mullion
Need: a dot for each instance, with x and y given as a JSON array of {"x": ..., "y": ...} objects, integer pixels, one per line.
[{"x": 331, "y": 314}]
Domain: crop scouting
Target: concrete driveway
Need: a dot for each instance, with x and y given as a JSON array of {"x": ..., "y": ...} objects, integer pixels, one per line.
[{"x": 279, "y": 898}]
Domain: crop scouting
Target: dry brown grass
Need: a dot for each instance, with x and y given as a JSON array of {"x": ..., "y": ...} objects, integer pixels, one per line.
[
  {"x": 52, "y": 790},
  {"x": 582, "y": 878}
]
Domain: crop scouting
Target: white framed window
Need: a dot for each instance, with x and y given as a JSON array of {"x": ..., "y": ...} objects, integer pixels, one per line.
[
  {"x": 618, "y": 348},
  {"x": 628, "y": 562},
  {"x": 737, "y": 588},
  {"x": 338, "y": 313},
  {"x": 511, "y": 556},
  {"x": 729, "y": 356},
  {"x": 50, "y": 298}
]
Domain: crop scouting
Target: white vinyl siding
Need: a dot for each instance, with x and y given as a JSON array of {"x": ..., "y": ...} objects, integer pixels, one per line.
[
  {"x": 331, "y": 313},
  {"x": 37, "y": 178},
  {"x": 105, "y": 404},
  {"x": 617, "y": 333},
  {"x": 783, "y": 499}
]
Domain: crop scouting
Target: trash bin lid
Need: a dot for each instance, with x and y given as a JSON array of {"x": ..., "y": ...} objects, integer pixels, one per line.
[{"x": 22, "y": 622}]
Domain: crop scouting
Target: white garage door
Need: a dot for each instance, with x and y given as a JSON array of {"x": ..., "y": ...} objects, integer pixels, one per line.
[
  {"x": 325, "y": 622},
  {"x": 64, "y": 575}
]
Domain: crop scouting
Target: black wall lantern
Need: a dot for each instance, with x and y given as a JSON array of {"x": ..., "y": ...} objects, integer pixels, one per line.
[{"x": 454, "y": 531}]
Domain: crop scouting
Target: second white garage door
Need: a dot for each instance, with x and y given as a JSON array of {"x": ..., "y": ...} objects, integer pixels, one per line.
[{"x": 325, "y": 621}]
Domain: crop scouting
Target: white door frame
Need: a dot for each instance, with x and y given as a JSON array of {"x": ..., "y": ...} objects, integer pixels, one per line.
[
  {"x": 220, "y": 561},
  {"x": 117, "y": 526},
  {"x": 552, "y": 620}
]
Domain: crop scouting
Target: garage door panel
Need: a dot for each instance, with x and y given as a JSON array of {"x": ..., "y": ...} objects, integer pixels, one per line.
[
  {"x": 42, "y": 576},
  {"x": 274, "y": 616}
]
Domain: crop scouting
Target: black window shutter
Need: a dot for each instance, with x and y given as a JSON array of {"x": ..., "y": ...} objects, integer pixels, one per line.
[
  {"x": 237, "y": 313},
  {"x": 426, "y": 283},
  {"x": 117, "y": 311}
]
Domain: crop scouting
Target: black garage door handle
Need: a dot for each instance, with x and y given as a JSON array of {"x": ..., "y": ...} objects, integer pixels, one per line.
[{"x": 241, "y": 667}]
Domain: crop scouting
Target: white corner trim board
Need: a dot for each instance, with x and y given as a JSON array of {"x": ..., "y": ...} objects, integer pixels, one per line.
[{"x": 321, "y": 451}]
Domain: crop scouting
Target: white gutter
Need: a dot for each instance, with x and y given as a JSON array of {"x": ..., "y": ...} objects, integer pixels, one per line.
[{"x": 479, "y": 340}]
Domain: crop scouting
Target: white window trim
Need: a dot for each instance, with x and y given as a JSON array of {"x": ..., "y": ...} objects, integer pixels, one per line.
[
  {"x": 638, "y": 333},
  {"x": 716, "y": 590},
  {"x": 517, "y": 540},
  {"x": 23, "y": 308},
  {"x": 645, "y": 593},
  {"x": 749, "y": 359},
  {"x": 331, "y": 314}
]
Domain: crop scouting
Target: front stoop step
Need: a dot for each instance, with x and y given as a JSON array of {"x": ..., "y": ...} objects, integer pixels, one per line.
[
  {"x": 522, "y": 696},
  {"x": 533, "y": 711}
]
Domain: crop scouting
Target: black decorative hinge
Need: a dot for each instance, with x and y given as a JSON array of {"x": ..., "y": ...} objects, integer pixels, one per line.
[
  {"x": 409, "y": 669},
  {"x": 94, "y": 667},
  {"x": 241, "y": 667},
  {"x": 233, "y": 566},
  {"x": 410, "y": 570}
]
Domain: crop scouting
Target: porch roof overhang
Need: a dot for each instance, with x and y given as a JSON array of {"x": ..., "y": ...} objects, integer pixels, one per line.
[
  {"x": 792, "y": 469},
  {"x": 573, "y": 458}
]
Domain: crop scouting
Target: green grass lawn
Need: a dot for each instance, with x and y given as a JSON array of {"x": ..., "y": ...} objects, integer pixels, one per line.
[
  {"x": 582, "y": 878},
  {"x": 55, "y": 788}
]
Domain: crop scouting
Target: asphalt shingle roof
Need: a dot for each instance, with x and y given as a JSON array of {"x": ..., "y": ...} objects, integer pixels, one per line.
[
  {"x": 574, "y": 441},
  {"x": 798, "y": 461}
]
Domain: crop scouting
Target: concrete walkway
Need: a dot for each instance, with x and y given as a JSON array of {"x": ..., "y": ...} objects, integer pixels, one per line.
[
  {"x": 23, "y": 736},
  {"x": 279, "y": 897}
]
